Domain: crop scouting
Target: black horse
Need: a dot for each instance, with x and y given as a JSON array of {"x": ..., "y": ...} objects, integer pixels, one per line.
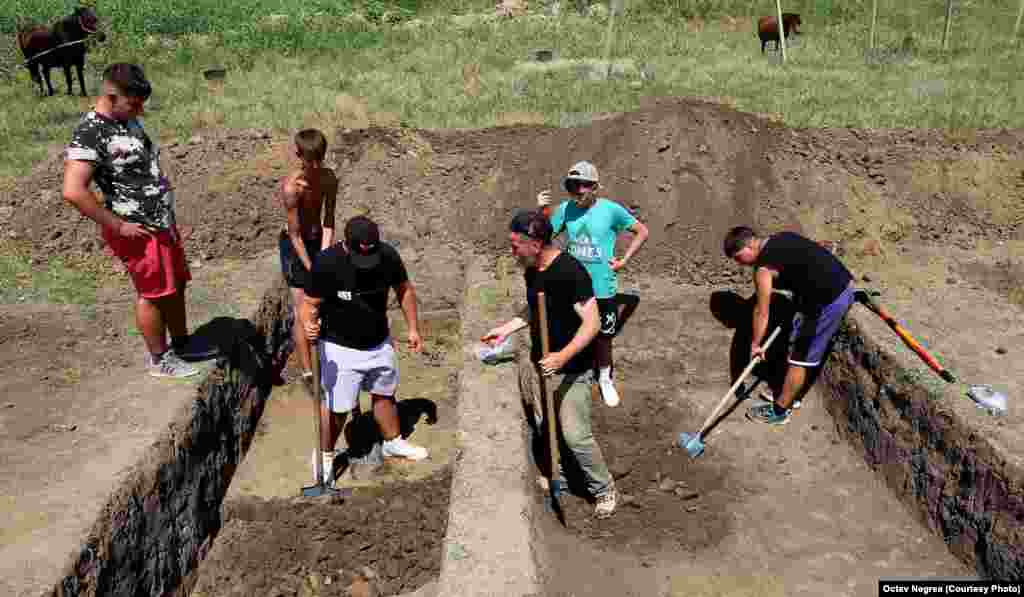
[{"x": 63, "y": 45}]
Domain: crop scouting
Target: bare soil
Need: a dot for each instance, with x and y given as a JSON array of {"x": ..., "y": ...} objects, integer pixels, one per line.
[{"x": 903, "y": 208}]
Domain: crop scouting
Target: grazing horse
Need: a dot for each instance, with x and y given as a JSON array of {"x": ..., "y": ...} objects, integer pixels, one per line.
[
  {"x": 768, "y": 28},
  {"x": 62, "y": 45}
]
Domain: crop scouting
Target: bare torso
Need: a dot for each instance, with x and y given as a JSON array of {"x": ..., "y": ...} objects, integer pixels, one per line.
[{"x": 310, "y": 200}]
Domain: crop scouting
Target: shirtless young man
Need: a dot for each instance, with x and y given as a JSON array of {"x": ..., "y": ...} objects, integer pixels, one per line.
[{"x": 308, "y": 195}]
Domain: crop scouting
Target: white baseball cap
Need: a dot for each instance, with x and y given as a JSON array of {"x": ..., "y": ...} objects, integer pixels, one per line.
[{"x": 584, "y": 171}]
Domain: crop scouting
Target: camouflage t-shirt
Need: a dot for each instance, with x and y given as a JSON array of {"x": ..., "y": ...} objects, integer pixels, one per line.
[{"x": 127, "y": 169}]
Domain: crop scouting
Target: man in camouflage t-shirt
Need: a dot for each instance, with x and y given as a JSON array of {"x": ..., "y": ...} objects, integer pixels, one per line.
[{"x": 110, "y": 147}]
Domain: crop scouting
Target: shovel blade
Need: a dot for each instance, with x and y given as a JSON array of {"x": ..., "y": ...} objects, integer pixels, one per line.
[
  {"x": 989, "y": 398},
  {"x": 692, "y": 444},
  {"x": 323, "y": 490}
]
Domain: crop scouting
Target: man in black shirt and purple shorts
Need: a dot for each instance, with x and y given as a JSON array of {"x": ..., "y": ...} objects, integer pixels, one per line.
[
  {"x": 345, "y": 307},
  {"x": 822, "y": 289}
]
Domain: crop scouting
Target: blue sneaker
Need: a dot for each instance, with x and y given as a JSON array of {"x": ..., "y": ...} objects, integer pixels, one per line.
[{"x": 765, "y": 413}]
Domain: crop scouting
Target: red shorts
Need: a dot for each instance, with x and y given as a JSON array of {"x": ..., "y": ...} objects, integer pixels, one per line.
[{"x": 155, "y": 263}]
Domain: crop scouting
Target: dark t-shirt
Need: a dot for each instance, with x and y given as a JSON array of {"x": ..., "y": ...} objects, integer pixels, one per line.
[
  {"x": 565, "y": 282},
  {"x": 809, "y": 270},
  {"x": 127, "y": 169},
  {"x": 355, "y": 301}
]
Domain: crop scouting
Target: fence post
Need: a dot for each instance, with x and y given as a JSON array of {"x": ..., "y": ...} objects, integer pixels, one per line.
[
  {"x": 782, "y": 31},
  {"x": 949, "y": 24},
  {"x": 1020, "y": 13},
  {"x": 874, "y": 19}
]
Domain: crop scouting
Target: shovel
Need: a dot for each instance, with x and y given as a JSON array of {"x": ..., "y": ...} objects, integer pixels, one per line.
[
  {"x": 985, "y": 396},
  {"x": 321, "y": 488},
  {"x": 554, "y": 484},
  {"x": 694, "y": 444}
]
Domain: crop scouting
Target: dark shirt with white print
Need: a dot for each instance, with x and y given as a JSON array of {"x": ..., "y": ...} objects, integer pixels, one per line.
[
  {"x": 354, "y": 311},
  {"x": 127, "y": 169}
]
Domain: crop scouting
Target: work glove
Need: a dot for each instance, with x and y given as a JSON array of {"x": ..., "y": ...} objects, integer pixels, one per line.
[{"x": 544, "y": 198}]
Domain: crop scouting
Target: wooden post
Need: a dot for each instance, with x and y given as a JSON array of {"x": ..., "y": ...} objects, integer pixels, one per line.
[
  {"x": 782, "y": 32},
  {"x": 614, "y": 7},
  {"x": 874, "y": 19},
  {"x": 949, "y": 24},
  {"x": 1020, "y": 13}
]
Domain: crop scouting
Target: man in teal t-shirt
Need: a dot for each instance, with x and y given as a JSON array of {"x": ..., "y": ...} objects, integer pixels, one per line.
[{"x": 592, "y": 225}]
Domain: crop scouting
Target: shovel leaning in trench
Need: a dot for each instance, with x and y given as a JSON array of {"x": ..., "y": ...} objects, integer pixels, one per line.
[
  {"x": 694, "y": 444},
  {"x": 321, "y": 488},
  {"x": 554, "y": 484},
  {"x": 984, "y": 395}
]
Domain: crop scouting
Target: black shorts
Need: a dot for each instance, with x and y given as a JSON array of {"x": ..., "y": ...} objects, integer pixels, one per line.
[
  {"x": 609, "y": 313},
  {"x": 295, "y": 273}
]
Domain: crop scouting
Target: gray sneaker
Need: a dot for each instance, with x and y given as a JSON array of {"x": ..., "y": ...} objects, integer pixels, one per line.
[
  {"x": 606, "y": 502},
  {"x": 170, "y": 365}
]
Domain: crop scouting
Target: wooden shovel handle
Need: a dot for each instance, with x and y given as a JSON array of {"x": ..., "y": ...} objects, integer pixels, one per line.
[
  {"x": 545, "y": 344},
  {"x": 315, "y": 362},
  {"x": 742, "y": 378}
]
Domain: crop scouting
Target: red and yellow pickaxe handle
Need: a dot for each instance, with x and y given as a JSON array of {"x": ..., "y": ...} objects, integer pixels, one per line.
[{"x": 865, "y": 298}]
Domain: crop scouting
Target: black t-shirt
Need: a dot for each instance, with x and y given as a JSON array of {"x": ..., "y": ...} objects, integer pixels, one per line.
[
  {"x": 355, "y": 301},
  {"x": 565, "y": 282},
  {"x": 808, "y": 269}
]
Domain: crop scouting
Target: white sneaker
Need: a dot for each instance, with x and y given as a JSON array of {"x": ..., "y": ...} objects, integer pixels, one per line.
[
  {"x": 609, "y": 393},
  {"x": 327, "y": 467},
  {"x": 170, "y": 365},
  {"x": 399, "y": 448}
]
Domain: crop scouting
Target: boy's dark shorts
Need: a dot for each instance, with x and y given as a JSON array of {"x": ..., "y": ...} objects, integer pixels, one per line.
[
  {"x": 609, "y": 313},
  {"x": 811, "y": 336},
  {"x": 295, "y": 273}
]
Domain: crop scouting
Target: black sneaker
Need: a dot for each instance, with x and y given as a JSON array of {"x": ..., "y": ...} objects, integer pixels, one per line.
[{"x": 193, "y": 349}]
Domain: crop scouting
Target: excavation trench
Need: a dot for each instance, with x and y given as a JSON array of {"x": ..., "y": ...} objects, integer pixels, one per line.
[{"x": 882, "y": 473}]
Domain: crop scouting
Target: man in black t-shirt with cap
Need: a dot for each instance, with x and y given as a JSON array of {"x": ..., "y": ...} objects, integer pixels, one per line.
[
  {"x": 822, "y": 290},
  {"x": 573, "y": 323},
  {"x": 346, "y": 310}
]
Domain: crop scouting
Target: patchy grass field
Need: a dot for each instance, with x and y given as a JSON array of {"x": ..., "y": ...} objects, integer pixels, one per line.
[{"x": 331, "y": 64}]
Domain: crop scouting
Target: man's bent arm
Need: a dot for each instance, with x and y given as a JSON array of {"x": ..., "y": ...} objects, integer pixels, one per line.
[
  {"x": 640, "y": 234},
  {"x": 588, "y": 329},
  {"x": 77, "y": 178},
  {"x": 330, "y": 200},
  {"x": 763, "y": 283}
]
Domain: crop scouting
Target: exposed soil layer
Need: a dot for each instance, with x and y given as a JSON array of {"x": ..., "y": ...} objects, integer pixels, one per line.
[{"x": 282, "y": 547}]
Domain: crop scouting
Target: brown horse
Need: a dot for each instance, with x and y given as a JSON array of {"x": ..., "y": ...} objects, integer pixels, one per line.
[
  {"x": 61, "y": 45},
  {"x": 768, "y": 28}
]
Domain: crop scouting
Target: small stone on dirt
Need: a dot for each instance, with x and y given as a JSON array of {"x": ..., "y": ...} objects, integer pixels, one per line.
[
  {"x": 1000, "y": 350},
  {"x": 195, "y": 140},
  {"x": 865, "y": 277},
  {"x": 667, "y": 484},
  {"x": 196, "y": 264},
  {"x": 9, "y": 405}
]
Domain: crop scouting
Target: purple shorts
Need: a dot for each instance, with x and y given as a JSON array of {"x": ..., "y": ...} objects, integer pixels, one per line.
[{"x": 810, "y": 337}]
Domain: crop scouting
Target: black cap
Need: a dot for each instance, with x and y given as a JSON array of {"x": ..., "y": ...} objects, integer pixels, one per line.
[
  {"x": 531, "y": 223},
  {"x": 362, "y": 236}
]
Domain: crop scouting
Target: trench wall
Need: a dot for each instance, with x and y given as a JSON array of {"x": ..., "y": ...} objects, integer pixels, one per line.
[
  {"x": 158, "y": 525},
  {"x": 943, "y": 465}
]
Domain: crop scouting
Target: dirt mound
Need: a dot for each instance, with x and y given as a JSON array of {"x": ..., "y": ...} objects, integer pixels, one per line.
[
  {"x": 396, "y": 531},
  {"x": 688, "y": 169}
]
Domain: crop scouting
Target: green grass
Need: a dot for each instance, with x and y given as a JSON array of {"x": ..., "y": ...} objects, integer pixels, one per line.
[
  {"x": 287, "y": 72},
  {"x": 53, "y": 282}
]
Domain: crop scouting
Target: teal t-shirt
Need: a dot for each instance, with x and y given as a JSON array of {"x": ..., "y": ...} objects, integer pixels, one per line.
[{"x": 591, "y": 238}]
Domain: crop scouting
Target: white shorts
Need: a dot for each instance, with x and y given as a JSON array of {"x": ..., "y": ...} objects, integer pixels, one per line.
[{"x": 346, "y": 371}]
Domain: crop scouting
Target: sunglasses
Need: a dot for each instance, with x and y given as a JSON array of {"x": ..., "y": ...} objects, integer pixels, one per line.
[{"x": 577, "y": 185}]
